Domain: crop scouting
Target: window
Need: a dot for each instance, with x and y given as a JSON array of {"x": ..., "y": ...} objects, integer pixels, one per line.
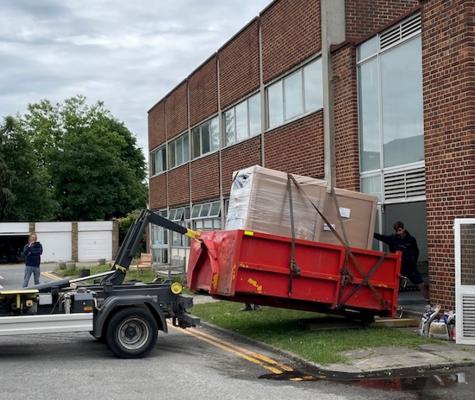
[
  {"x": 207, "y": 215},
  {"x": 158, "y": 161},
  {"x": 242, "y": 121},
  {"x": 205, "y": 137},
  {"x": 159, "y": 243},
  {"x": 390, "y": 113},
  {"x": 299, "y": 93},
  {"x": 178, "y": 151}
]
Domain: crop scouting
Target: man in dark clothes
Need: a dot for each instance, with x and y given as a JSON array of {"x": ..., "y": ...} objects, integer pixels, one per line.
[
  {"x": 32, "y": 252},
  {"x": 402, "y": 241}
]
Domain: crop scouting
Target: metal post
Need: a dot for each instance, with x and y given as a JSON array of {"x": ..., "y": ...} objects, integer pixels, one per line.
[{"x": 332, "y": 32}]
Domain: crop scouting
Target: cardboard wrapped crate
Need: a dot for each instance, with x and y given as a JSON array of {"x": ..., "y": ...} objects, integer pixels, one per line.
[
  {"x": 259, "y": 201},
  {"x": 357, "y": 213}
]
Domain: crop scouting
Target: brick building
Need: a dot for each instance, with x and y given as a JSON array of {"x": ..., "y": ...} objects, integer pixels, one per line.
[{"x": 375, "y": 95}]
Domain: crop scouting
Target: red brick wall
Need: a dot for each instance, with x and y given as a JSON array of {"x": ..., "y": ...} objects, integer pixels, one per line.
[
  {"x": 290, "y": 34},
  {"x": 364, "y": 17},
  {"x": 179, "y": 185},
  {"x": 238, "y": 78},
  {"x": 239, "y": 156},
  {"x": 297, "y": 147},
  {"x": 448, "y": 54},
  {"x": 205, "y": 178},
  {"x": 346, "y": 118},
  {"x": 158, "y": 191},
  {"x": 156, "y": 126},
  {"x": 203, "y": 92},
  {"x": 176, "y": 108}
]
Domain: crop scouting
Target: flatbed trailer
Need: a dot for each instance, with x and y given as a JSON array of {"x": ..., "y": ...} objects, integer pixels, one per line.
[{"x": 126, "y": 316}]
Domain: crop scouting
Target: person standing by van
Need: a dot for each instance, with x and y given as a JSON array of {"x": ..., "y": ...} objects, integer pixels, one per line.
[{"x": 32, "y": 252}]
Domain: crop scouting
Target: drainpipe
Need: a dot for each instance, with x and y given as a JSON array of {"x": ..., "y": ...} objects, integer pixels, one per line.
[{"x": 332, "y": 32}]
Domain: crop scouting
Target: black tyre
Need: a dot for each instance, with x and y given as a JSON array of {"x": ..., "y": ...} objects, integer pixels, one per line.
[{"x": 131, "y": 333}]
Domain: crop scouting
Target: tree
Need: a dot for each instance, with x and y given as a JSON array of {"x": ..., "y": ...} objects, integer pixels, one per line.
[
  {"x": 25, "y": 194},
  {"x": 92, "y": 160}
]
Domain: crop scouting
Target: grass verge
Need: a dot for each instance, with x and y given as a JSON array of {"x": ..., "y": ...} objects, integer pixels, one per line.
[
  {"x": 145, "y": 276},
  {"x": 279, "y": 327}
]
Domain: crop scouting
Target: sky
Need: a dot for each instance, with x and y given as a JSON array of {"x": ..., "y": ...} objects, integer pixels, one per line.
[{"x": 127, "y": 53}]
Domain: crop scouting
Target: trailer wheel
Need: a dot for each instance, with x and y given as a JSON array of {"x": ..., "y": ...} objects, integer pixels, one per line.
[{"x": 131, "y": 333}]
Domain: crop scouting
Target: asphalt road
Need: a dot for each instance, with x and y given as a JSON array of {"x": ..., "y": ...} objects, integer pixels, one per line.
[
  {"x": 12, "y": 275},
  {"x": 192, "y": 364}
]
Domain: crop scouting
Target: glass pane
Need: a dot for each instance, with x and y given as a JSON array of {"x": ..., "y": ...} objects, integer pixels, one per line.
[
  {"x": 208, "y": 224},
  {"x": 179, "y": 214},
  {"x": 215, "y": 208},
  {"x": 164, "y": 159},
  {"x": 368, "y": 48},
  {"x": 171, "y": 154},
  {"x": 229, "y": 127},
  {"x": 196, "y": 211},
  {"x": 205, "y": 210},
  {"x": 372, "y": 185},
  {"x": 195, "y": 133},
  {"x": 205, "y": 143},
  {"x": 158, "y": 162},
  {"x": 275, "y": 102},
  {"x": 179, "y": 151},
  {"x": 199, "y": 224},
  {"x": 186, "y": 144},
  {"x": 255, "y": 114},
  {"x": 187, "y": 213},
  {"x": 172, "y": 214},
  {"x": 152, "y": 162},
  {"x": 369, "y": 116},
  {"x": 401, "y": 81},
  {"x": 241, "y": 121},
  {"x": 214, "y": 134},
  {"x": 293, "y": 95},
  {"x": 217, "y": 223},
  {"x": 313, "y": 85}
]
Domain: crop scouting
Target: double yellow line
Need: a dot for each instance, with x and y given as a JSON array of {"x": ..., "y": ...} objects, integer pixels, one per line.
[
  {"x": 50, "y": 275},
  {"x": 251, "y": 356}
]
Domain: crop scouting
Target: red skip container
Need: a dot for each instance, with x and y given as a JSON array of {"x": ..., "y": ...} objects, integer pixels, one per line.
[{"x": 253, "y": 267}]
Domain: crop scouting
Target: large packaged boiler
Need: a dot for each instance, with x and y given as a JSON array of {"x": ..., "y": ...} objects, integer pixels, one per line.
[{"x": 260, "y": 201}]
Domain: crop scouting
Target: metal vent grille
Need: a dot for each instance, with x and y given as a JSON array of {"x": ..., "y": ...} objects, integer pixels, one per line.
[
  {"x": 399, "y": 32},
  {"x": 404, "y": 185},
  {"x": 468, "y": 310}
]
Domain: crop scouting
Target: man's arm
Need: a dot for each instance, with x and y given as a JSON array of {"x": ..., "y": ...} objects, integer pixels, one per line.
[
  {"x": 37, "y": 250},
  {"x": 382, "y": 238},
  {"x": 26, "y": 250}
]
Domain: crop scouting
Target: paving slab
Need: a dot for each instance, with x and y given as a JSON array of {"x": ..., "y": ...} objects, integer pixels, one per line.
[{"x": 401, "y": 357}]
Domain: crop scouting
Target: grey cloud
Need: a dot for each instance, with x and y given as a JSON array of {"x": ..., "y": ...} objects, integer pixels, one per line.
[{"x": 127, "y": 53}]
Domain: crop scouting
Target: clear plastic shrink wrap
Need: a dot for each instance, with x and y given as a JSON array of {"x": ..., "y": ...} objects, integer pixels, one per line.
[{"x": 259, "y": 201}]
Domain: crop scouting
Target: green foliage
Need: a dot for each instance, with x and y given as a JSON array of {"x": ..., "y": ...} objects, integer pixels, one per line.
[
  {"x": 24, "y": 189},
  {"x": 280, "y": 328},
  {"x": 72, "y": 161},
  {"x": 145, "y": 276},
  {"x": 124, "y": 225}
]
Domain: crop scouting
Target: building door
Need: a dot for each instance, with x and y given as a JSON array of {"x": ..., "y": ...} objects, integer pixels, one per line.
[{"x": 465, "y": 280}]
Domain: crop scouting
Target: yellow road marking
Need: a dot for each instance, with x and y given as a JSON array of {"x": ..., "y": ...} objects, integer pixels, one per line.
[
  {"x": 49, "y": 275},
  {"x": 259, "y": 356},
  {"x": 256, "y": 358}
]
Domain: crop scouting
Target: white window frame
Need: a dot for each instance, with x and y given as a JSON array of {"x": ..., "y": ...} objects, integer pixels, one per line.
[
  {"x": 281, "y": 80},
  {"x": 199, "y": 127},
  {"x": 153, "y": 169},
  {"x": 233, "y": 110},
  {"x": 185, "y": 152},
  {"x": 383, "y": 170}
]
